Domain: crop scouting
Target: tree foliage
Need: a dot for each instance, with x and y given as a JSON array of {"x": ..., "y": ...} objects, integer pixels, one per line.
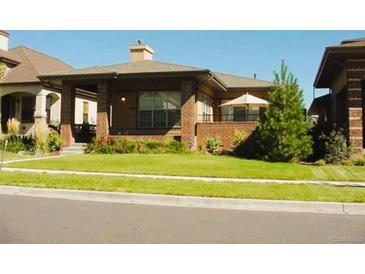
[{"x": 283, "y": 130}]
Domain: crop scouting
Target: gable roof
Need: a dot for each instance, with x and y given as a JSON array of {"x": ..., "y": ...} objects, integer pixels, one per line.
[
  {"x": 31, "y": 63},
  {"x": 156, "y": 67}
]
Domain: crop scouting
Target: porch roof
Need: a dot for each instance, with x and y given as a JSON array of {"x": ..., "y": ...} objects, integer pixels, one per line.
[{"x": 148, "y": 67}]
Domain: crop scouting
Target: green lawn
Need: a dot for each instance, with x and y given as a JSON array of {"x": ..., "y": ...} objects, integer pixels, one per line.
[
  {"x": 14, "y": 156},
  {"x": 191, "y": 188},
  {"x": 195, "y": 164}
]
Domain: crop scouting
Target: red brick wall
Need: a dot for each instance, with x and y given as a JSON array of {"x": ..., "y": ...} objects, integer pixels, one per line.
[
  {"x": 355, "y": 76},
  {"x": 102, "y": 118},
  {"x": 188, "y": 98},
  {"x": 222, "y": 130},
  {"x": 67, "y": 113}
]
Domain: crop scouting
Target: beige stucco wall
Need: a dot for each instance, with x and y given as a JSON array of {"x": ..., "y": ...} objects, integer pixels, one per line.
[{"x": 79, "y": 111}]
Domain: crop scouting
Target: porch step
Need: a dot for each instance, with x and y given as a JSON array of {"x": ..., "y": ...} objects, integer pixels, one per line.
[{"x": 77, "y": 148}]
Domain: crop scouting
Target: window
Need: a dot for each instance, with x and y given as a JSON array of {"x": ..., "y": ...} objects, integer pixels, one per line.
[
  {"x": 227, "y": 112},
  {"x": 159, "y": 109},
  {"x": 207, "y": 109},
  {"x": 85, "y": 112},
  {"x": 28, "y": 105}
]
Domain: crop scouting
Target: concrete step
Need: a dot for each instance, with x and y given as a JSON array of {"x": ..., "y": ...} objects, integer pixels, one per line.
[
  {"x": 79, "y": 145},
  {"x": 76, "y": 148},
  {"x": 63, "y": 152},
  {"x": 73, "y": 149}
]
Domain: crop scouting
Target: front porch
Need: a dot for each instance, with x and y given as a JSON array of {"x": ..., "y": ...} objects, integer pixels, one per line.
[{"x": 179, "y": 108}]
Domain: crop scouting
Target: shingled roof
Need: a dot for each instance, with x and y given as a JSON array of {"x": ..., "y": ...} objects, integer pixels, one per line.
[
  {"x": 31, "y": 64},
  {"x": 148, "y": 66},
  {"x": 235, "y": 81}
]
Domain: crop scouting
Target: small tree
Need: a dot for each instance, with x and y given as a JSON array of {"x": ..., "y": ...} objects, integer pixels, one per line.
[{"x": 283, "y": 130}]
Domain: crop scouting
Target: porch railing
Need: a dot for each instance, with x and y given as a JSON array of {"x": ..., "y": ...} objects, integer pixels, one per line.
[{"x": 211, "y": 118}]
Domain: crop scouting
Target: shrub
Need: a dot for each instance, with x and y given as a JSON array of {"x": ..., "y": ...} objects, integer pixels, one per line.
[
  {"x": 239, "y": 137},
  {"x": 213, "y": 145},
  {"x": 41, "y": 137},
  {"x": 336, "y": 147},
  {"x": 17, "y": 143},
  {"x": 358, "y": 161},
  {"x": 54, "y": 142},
  {"x": 174, "y": 146},
  {"x": 283, "y": 129},
  {"x": 110, "y": 145},
  {"x": 13, "y": 126}
]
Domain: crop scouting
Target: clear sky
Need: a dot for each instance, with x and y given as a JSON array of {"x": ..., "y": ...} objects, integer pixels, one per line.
[{"x": 237, "y": 52}]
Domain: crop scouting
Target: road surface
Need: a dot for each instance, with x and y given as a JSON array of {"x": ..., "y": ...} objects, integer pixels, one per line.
[{"x": 46, "y": 220}]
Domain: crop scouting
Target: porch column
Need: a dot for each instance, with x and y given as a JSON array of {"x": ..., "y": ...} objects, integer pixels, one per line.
[
  {"x": 40, "y": 113},
  {"x": 1, "y": 121},
  {"x": 67, "y": 113},
  {"x": 188, "y": 113},
  {"x": 102, "y": 118},
  {"x": 355, "y": 74}
]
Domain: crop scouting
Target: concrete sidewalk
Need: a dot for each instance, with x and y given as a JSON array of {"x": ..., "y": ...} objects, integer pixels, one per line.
[
  {"x": 188, "y": 201},
  {"x": 31, "y": 159},
  {"x": 185, "y": 178}
]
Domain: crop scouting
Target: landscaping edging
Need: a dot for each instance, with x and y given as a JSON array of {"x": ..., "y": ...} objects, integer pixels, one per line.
[
  {"x": 188, "y": 201},
  {"x": 183, "y": 178}
]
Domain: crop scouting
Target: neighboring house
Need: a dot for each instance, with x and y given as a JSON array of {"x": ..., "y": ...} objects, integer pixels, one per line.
[
  {"x": 150, "y": 99},
  {"x": 24, "y": 97},
  {"x": 342, "y": 70}
]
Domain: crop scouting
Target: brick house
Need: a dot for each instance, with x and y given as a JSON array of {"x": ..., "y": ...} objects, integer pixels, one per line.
[
  {"x": 24, "y": 97},
  {"x": 149, "y": 99},
  {"x": 342, "y": 71}
]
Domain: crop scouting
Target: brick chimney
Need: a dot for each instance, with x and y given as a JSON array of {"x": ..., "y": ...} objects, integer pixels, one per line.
[
  {"x": 4, "y": 40},
  {"x": 140, "y": 52}
]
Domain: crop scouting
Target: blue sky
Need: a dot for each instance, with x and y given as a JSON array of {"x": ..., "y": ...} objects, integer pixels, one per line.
[{"x": 237, "y": 52}]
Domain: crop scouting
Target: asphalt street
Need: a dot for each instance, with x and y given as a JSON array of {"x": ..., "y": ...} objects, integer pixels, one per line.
[{"x": 46, "y": 220}]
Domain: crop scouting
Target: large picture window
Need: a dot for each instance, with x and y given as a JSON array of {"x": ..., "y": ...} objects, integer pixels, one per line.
[{"x": 159, "y": 109}]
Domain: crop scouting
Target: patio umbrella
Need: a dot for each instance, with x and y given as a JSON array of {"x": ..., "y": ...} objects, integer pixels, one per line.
[{"x": 245, "y": 100}]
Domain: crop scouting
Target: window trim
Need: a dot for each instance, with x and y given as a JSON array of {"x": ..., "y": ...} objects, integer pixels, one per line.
[{"x": 159, "y": 109}]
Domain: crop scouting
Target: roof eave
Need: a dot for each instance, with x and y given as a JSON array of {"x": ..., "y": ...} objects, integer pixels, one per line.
[
  {"x": 329, "y": 51},
  {"x": 77, "y": 76},
  {"x": 9, "y": 60}
]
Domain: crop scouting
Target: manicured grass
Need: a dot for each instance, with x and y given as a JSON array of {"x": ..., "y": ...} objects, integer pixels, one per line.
[
  {"x": 14, "y": 156},
  {"x": 190, "y": 188},
  {"x": 194, "y": 164}
]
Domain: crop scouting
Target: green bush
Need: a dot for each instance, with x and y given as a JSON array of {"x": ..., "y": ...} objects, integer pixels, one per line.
[
  {"x": 19, "y": 143},
  {"x": 120, "y": 145},
  {"x": 54, "y": 142},
  {"x": 337, "y": 148},
  {"x": 213, "y": 145},
  {"x": 239, "y": 137},
  {"x": 358, "y": 161}
]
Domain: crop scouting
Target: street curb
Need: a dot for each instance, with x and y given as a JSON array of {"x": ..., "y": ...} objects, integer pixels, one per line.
[
  {"x": 183, "y": 178},
  {"x": 188, "y": 201}
]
